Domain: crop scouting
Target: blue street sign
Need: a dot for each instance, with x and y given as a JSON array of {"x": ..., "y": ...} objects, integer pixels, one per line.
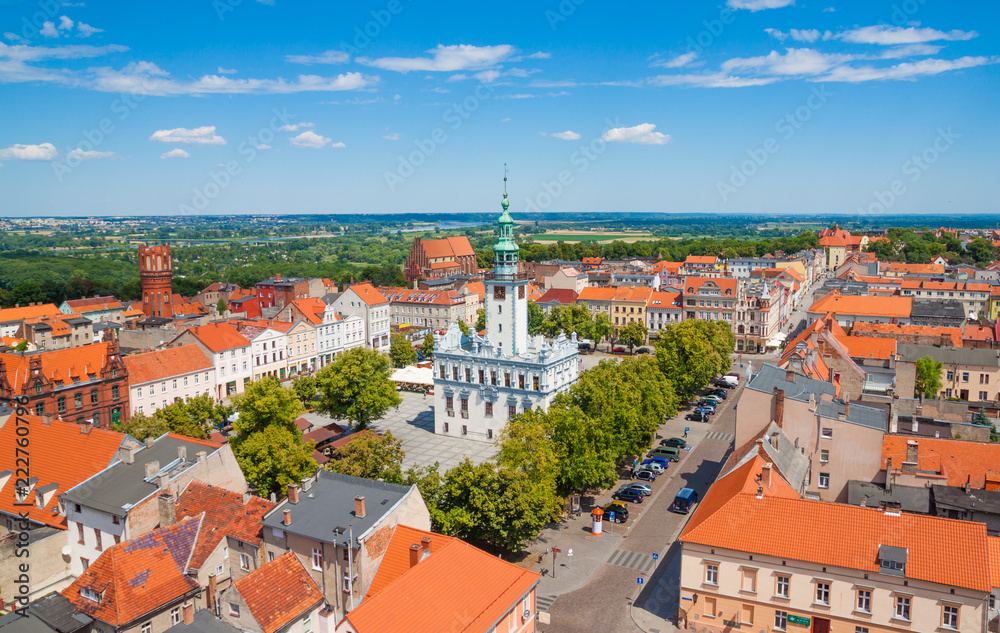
[
  {"x": 639, "y": 580},
  {"x": 687, "y": 429},
  {"x": 611, "y": 515},
  {"x": 655, "y": 555}
]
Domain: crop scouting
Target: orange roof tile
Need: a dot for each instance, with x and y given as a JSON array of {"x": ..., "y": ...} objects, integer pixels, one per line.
[
  {"x": 368, "y": 294},
  {"x": 700, "y": 259},
  {"x": 312, "y": 308},
  {"x": 219, "y": 337},
  {"x": 138, "y": 576},
  {"x": 597, "y": 294},
  {"x": 922, "y": 330},
  {"x": 869, "y": 347},
  {"x": 670, "y": 267},
  {"x": 165, "y": 363},
  {"x": 58, "y": 366},
  {"x": 993, "y": 543},
  {"x": 665, "y": 299},
  {"x": 863, "y": 305},
  {"x": 279, "y": 592},
  {"x": 638, "y": 294},
  {"x": 794, "y": 274},
  {"x": 456, "y": 246},
  {"x": 8, "y": 315},
  {"x": 94, "y": 304},
  {"x": 478, "y": 288},
  {"x": 225, "y": 515},
  {"x": 91, "y": 453},
  {"x": 423, "y": 596},
  {"x": 784, "y": 526},
  {"x": 727, "y": 285},
  {"x": 925, "y": 269},
  {"x": 957, "y": 461}
]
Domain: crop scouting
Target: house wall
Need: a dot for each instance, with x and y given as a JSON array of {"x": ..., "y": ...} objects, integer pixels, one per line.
[
  {"x": 148, "y": 397},
  {"x": 49, "y": 570},
  {"x": 732, "y": 600}
]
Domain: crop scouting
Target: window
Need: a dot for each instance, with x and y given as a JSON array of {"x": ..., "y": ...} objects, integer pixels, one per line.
[
  {"x": 114, "y": 392},
  {"x": 489, "y": 409},
  {"x": 822, "y": 593},
  {"x": 175, "y": 615},
  {"x": 949, "y": 617},
  {"x": 90, "y": 594},
  {"x": 861, "y": 629},
  {"x": 951, "y": 375},
  {"x": 864, "y": 600},
  {"x": 520, "y": 381},
  {"x": 245, "y": 561},
  {"x": 307, "y": 625},
  {"x": 317, "y": 559},
  {"x": 824, "y": 456},
  {"x": 61, "y": 406},
  {"x": 118, "y": 538},
  {"x": 234, "y": 610},
  {"x": 468, "y": 374},
  {"x": 902, "y": 607},
  {"x": 965, "y": 376},
  {"x": 506, "y": 379},
  {"x": 441, "y": 370},
  {"x": 511, "y": 410},
  {"x": 826, "y": 433},
  {"x": 983, "y": 395},
  {"x": 85, "y": 562},
  {"x": 346, "y": 583},
  {"x": 781, "y": 586},
  {"x": 534, "y": 383},
  {"x": 482, "y": 377},
  {"x": 465, "y": 405},
  {"x": 97, "y": 538},
  {"x": 824, "y": 480},
  {"x": 40, "y": 408},
  {"x": 780, "y": 620},
  {"x": 225, "y": 552},
  {"x": 93, "y": 396},
  {"x": 78, "y": 400},
  {"x": 79, "y": 529},
  {"x": 449, "y": 402},
  {"x": 711, "y": 574},
  {"x": 147, "y": 627}
]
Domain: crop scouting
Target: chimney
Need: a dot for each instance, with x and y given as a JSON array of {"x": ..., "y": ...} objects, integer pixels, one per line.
[
  {"x": 306, "y": 483},
  {"x": 359, "y": 507},
  {"x": 149, "y": 442},
  {"x": 425, "y": 546},
  {"x": 789, "y": 375},
  {"x": 277, "y": 277},
  {"x": 760, "y": 492},
  {"x": 85, "y": 429},
  {"x": 414, "y": 554},
  {"x": 286, "y": 518},
  {"x": 293, "y": 493},
  {"x": 911, "y": 451},
  {"x": 246, "y": 497},
  {"x": 152, "y": 468},
  {"x": 47, "y": 419},
  {"x": 163, "y": 481},
  {"x": 213, "y": 585},
  {"x": 847, "y": 407},
  {"x": 773, "y": 441},
  {"x": 968, "y": 483},
  {"x": 201, "y": 455},
  {"x": 916, "y": 425},
  {"x": 126, "y": 454},
  {"x": 888, "y": 474},
  {"x": 779, "y": 406},
  {"x": 182, "y": 453},
  {"x": 765, "y": 475},
  {"x": 188, "y": 610},
  {"x": 168, "y": 509}
]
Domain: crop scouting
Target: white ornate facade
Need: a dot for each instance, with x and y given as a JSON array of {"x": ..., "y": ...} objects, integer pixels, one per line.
[{"x": 478, "y": 386}]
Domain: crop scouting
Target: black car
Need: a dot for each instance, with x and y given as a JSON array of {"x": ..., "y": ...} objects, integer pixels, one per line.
[
  {"x": 706, "y": 404},
  {"x": 628, "y": 495},
  {"x": 697, "y": 416},
  {"x": 642, "y": 350},
  {"x": 644, "y": 475},
  {"x": 718, "y": 392},
  {"x": 676, "y": 442},
  {"x": 619, "y": 508}
]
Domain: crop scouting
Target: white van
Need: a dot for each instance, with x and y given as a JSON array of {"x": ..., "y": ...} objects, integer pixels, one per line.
[{"x": 730, "y": 381}]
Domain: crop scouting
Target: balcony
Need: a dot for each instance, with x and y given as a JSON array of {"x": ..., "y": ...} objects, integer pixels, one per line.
[{"x": 495, "y": 276}]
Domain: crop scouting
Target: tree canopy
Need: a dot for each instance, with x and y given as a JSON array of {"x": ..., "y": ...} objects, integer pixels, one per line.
[
  {"x": 192, "y": 417},
  {"x": 401, "y": 351},
  {"x": 275, "y": 457},
  {"x": 370, "y": 456},
  {"x": 357, "y": 387},
  {"x": 692, "y": 352},
  {"x": 927, "y": 382},
  {"x": 265, "y": 404}
]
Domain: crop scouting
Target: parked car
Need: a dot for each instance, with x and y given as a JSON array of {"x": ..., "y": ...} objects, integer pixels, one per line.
[
  {"x": 665, "y": 452},
  {"x": 715, "y": 399},
  {"x": 706, "y": 410},
  {"x": 718, "y": 392},
  {"x": 659, "y": 460},
  {"x": 706, "y": 404},
  {"x": 656, "y": 467},
  {"x": 676, "y": 442},
  {"x": 620, "y": 508},
  {"x": 697, "y": 416},
  {"x": 620, "y": 349},
  {"x": 644, "y": 474},
  {"x": 684, "y": 500},
  {"x": 731, "y": 383},
  {"x": 628, "y": 495},
  {"x": 645, "y": 489},
  {"x": 643, "y": 350}
]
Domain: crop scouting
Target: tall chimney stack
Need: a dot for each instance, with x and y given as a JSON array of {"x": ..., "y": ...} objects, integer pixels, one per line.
[
  {"x": 286, "y": 518},
  {"x": 293, "y": 493},
  {"x": 414, "y": 554},
  {"x": 359, "y": 507},
  {"x": 779, "y": 406},
  {"x": 765, "y": 475},
  {"x": 168, "y": 509},
  {"x": 188, "y": 611}
]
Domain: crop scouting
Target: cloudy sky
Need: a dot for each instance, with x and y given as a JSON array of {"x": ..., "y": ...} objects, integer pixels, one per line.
[{"x": 740, "y": 106}]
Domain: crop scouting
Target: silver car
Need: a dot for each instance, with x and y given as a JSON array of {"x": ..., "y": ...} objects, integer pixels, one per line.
[{"x": 645, "y": 489}]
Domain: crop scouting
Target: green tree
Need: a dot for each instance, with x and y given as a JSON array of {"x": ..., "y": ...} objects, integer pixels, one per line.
[
  {"x": 569, "y": 319},
  {"x": 275, "y": 457},
  {"x": 480, "y": 320},
  {"x": 401, "y": 351},
  {"x": 633, "y": 334},
  {"x": 358, "y": 387},
  {"x": 140, "y": 426},
  {"x": 463, "y": 327},
  {"x": 304, "y": 388},
  {"x": 427, "y": 347},
  {"x": 370, "y": 456},
  {"x": 536, "y": 318},
  {"x": 928, "y": 377},
  {"x": 264, "y": 404},
  {"x": 601, "y": 329},
  {"x": 21, "y": 347},
  {"x": 692, "y": 352},
  {"x": 980, "y": 418},
  {"x": 221, "y": 306},
  {"x": 586, "y": 457},
  {"x": 192, "y": 417}
]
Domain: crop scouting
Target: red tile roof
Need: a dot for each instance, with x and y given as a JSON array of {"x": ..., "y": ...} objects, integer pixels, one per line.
[
  {"x": 700, "y": 259},
  {"x": 727, "y": 285},
  {"x": 51, "y": 443},
  {"x": 994, "y": 558},
  {"x": 165, "y": 363},
  {"x": 637, "y": 294},
  {"x": 564, "y": 296},
  {"x": 897, "y": 330},
  {"x": 28, "y": 312},
  {"x": 887, "y": 307},
  {"x": 397, "y": 294},
  {"x": 869, "y": 347},
  {"x": 596, "y": 294},
  {"x": 94, "y": 304},
  {"x": 312, "y": 308},
  {"x": 455, "y": 246},
  {"x": 225, "y": 515},
  {"x": 369, "y": 294},
  {"x": 785, "y": 526},
  {"x": 139, "y": 576},
  {"x": 279, "y": 592},
  {"x": 924, "y": 269},
  {"x": 59, "y": 366},
  {"x": 424, "y": 596},
  {"x": 954, "y": 461},
  {"x": 219, "y": 337},
  {"x": 665, "y": 299}
]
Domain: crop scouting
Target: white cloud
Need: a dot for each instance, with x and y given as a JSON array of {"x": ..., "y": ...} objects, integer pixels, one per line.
[
  {"x": 711, "y": 80},
  {"x": 906, "y": 70},
  {"x": 13, "y": 37},
  {"x": 263, "y": 146},
  {"x": 886, "y": 35},
  {"x": 458, "y": 77},
  {"x": 445, "y": 59},
  {"x": 643, "y": 133},
  {"x": 909, "y": 50},
  {"x": 568, "y": 135},
  {"x": 65, "y": 23},
  {"x": 758, "y": 5},
  {"x": 42, "y": 151},
  {"x": 391, "y": 137},
  {"x": 677, "y": 62},
  {"x": 337, "y": 145},
  {"x": 327, "y": 57},
  {"x": 488, "y": 76},
  {"x": 174, "y": 153},
  {"x": 781, "y": 36},
  {"x": 85, "y": 30},
  {"x": 539, "y": 55},
  {"x": 80, "y": 154},
  {"x": 204, "y": 135},
  {"x": 226, "y": 71},
  {"x": 309, "y": 139},
  {"x": 295, "y": 127},
  {"x": 795, "y": 61},
  {"x": 49, "y": 29},
  {"x": 804, "y": 35}
]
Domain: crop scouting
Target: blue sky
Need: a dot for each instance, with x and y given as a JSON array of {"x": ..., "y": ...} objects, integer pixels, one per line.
[{"x": 745, "y": 106}]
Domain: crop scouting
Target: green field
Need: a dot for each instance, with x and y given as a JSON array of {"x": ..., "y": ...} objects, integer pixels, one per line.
[{"x": 586, "y": 237}]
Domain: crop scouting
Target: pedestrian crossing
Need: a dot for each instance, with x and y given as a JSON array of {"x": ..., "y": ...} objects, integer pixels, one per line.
[
  {"x": 716, "y": 435},
  {"x": 544, "y": 603},
  {"x": 633, "y": 560}
]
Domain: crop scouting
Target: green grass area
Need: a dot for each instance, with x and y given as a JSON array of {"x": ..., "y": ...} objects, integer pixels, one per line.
[{"x": 583, "y": 236}]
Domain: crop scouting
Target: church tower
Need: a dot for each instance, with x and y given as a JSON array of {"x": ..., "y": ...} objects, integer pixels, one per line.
[
  {"x": 506, "y": 290},
  {"x": 155, "y": 272}
]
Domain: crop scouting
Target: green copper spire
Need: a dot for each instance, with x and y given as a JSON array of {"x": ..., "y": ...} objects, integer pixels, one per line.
[{"x": 505, "y": 250}]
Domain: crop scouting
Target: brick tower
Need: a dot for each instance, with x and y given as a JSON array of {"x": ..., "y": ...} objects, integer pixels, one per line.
[{"x": 155, "y": 271}]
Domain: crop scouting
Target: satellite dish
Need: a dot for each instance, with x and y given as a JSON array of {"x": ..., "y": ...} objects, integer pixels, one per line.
[
  {"x": 972, "y": 316},
  {"x": 67, "y": 550}
]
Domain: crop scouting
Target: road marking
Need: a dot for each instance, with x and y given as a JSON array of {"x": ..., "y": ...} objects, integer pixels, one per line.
[
  {"x": 718, "y": 435},
  {"x": 543, "y": 603},
  {"x": 638, "y": 561}
]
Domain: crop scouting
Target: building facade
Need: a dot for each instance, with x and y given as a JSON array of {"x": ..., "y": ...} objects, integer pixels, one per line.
[
  {"x": 436, "y": 259},
  {"x": 155, "y": 273},
  {"x": 161, "y": 377}
]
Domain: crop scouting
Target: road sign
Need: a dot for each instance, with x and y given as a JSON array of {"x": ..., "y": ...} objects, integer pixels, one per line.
[
  {"x": 611, "y": 515},
  {"x": 639, "y": 580},
  {"x": 655, "y": 555},
  {"x": 570, "y": 553}
]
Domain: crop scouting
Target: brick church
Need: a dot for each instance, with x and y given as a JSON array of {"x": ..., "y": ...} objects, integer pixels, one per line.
[{"x": 436, "y": 259}]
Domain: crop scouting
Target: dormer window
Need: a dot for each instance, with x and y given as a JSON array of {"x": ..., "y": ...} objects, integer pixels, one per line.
[
  {"x": 892, "y": 560},
  {"x": 90, "y": 594}
]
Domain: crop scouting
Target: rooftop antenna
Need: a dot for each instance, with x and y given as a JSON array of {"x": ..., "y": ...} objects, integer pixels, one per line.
[{"x": 505, "y": 172}]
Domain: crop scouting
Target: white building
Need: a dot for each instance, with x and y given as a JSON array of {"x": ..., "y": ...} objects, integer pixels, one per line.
[
  {"x": 229, "y": 351},
  {"x": 269, "y": 345},
  {"x": 161, "y": 377},
  {"x": 365, "y": 301},
  {"x": 482, "y": 384}
]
